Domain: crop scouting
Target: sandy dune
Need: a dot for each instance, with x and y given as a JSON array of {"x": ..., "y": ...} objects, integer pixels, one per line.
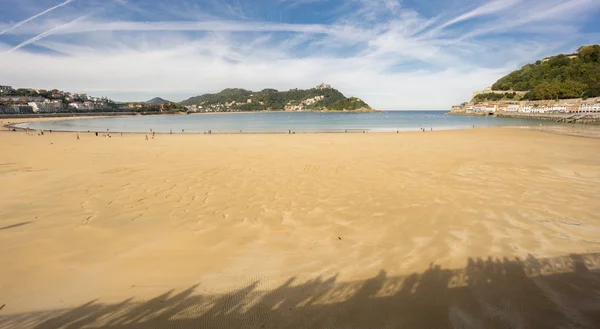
[{"x": 463, "y": 229}]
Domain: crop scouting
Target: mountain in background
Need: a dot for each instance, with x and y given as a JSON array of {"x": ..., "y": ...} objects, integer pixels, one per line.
[
  {"x": 157, "y": 101},
  {"x": 320, "y": 98},
  {"x": 562, "y": 76}
]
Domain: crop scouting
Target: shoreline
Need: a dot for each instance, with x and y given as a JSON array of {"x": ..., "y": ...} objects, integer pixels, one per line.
[
  {"x": 568, "y": 129},
  {"x": 267, "y": 111},
  {"x": 579, "y": 118},
  {"x": 9, "y": 127}
]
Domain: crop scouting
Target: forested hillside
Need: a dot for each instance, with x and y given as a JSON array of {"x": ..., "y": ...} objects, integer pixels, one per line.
[{"x": 558, "y": 77}]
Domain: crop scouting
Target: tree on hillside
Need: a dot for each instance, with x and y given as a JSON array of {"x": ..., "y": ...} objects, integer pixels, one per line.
[{"x": 561, "y": 76}]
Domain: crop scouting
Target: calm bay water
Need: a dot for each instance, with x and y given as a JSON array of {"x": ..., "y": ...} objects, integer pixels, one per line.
[{"x": 282, "y": 122}]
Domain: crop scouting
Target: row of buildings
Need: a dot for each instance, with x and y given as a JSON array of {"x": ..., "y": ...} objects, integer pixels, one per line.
[
  {"x": 303, "y": 105},
  {"x": 491, "y": 108},
  {"x": 5, "y": 90},
  {"x": 33, "y": 101},
  {"x": 51, "y": 106}
]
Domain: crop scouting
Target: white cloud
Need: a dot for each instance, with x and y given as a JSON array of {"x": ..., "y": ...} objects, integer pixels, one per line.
[
  {"x": 399, "y": 60},
  {"x": 25, "y": 21},
  {"x": 44, "y": 34}
]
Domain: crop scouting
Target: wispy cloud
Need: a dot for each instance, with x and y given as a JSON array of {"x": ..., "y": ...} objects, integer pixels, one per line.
[
  {"x": 44, "y": 34},
  {"x": 25, "y": 21},
  {"x": 486, "y": 9},
  {"x": 391, "y": 54}
]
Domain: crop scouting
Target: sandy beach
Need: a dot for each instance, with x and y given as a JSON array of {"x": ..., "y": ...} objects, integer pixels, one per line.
[{"x": 479, "y": 228}]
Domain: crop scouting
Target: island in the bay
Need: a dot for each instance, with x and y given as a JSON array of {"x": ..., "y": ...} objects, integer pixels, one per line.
[
  {"x": 564, "y": 88},
  {"x": 25, "y": 101},
  {"x": 320, "y": 98}
]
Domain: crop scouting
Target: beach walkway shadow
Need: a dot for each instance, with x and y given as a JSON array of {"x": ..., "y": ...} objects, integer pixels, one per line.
[
  {"x": 561, "y": 292},
  {"x": 14, "y": 225}
]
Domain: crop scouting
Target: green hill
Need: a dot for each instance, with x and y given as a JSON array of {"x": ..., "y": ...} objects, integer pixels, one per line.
[
  {"x": 157, "y": 101},
  {"x": 557, "y": 77},
  {"x": 318, "y": 98}
]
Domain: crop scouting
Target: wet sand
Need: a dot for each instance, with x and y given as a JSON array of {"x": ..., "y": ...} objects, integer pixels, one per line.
[{"x": 438, "y": 229}]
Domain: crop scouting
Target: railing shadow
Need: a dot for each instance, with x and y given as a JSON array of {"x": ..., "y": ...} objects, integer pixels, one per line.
[
  {"x": 561, "y": 292},
  {"x": 14, "y": 225}
]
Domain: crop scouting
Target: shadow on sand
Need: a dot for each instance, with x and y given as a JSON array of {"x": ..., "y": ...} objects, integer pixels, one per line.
[
  {"x": 562, "y": 292},
  {"x": 13, "y": 226}
]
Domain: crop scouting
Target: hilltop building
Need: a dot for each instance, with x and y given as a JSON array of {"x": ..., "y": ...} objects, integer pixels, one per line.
[{"x": 6, "y": 89}]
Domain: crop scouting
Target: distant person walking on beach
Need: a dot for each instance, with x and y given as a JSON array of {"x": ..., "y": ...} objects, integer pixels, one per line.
[
  {"x": 146, "y": 137},
  {"x": 77, "y": 136},
  {"x": 96, "y": 134}
]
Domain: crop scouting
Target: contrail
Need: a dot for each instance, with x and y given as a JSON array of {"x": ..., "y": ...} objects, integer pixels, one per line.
[
  {"x": 35, "y": 16},
  {"x": 43, "y": 35}
]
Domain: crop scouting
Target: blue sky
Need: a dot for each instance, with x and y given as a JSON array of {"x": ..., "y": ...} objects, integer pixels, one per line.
[{"x": 393, "y": 54}]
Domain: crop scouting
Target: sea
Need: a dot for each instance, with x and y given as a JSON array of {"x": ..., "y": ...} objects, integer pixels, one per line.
[{"x": 283, "y": 122}]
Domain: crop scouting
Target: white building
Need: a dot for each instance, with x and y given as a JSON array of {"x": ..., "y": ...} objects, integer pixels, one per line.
[
  {"x": 313, "y": 100},
  {"x": 81, "y": 106},
  {"x": 485, "y": 108},
  {"x": 535, "y": 109},
  {"x": 46, "y": 107},
  {"x": 37, "y": 107},
  {"x": 6, "y": 89},
  {"x": 559, "y": 109},
  {"x": 512, "y": 108},
  {"x": 16, "y": 109},
  {"x": 586, "y": 108}
]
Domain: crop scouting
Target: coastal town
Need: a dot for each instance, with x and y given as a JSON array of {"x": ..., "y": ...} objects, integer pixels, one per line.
[
  {"x": 44, "y": 102},
  {"x": 57, "y": 102},
  {"x": 39, "y": 101},
  {"x": 319, "y": 98},
  {"x": 542, "y": 109}
]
